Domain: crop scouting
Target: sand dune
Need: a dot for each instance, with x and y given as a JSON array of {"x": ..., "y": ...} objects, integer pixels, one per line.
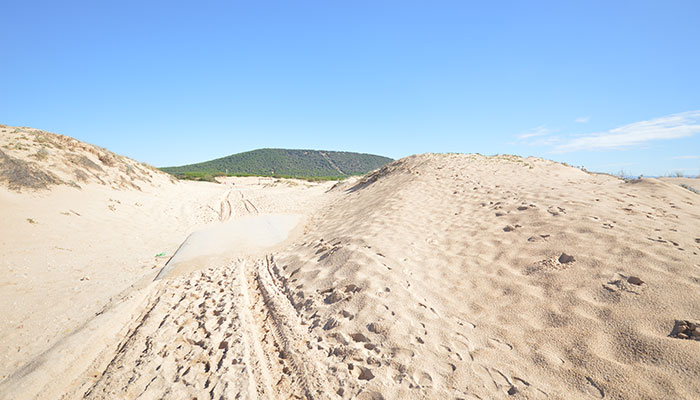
[
  {"x": 459, "y": 286},
  {"x": 438, "y": 276}
]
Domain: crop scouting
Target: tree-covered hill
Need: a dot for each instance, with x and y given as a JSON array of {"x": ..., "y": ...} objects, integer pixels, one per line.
[{"x": 307, "y": 164}]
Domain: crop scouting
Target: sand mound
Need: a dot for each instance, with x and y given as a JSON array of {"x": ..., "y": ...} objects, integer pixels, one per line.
[
  {"x": 461, "y": 276},
  {"x": 35, "y": 159}
]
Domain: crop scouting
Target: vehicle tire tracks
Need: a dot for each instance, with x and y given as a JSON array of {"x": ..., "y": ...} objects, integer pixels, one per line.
[
  {"x": 225, "y": 332},
  {"x": 249, "y": 206},
  {"x": 225, "y": 208}
]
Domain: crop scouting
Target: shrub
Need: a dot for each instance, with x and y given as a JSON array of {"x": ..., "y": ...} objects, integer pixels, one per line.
[
  {"x": 692, "y": 189},
  {"x": 106, "y": 159},
  {"x": 42, "y": 154}
]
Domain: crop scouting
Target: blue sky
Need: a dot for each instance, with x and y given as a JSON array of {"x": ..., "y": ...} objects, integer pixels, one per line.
[{"x": 608, "y": 85}]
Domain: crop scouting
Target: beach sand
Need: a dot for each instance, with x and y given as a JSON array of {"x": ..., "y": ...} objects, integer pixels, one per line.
[{"x": 438, "y": 276}]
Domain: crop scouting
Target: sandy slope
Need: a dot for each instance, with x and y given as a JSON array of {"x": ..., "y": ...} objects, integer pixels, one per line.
[
  {"x": 439, "y": 276},
  {"x": 692, "y": 183},
  {"x": 78, "y": 259},
  {"x": 457, "y": 289}
]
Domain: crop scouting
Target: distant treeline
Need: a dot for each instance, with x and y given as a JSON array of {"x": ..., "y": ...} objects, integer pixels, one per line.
[{"x": 283, "y": 163}]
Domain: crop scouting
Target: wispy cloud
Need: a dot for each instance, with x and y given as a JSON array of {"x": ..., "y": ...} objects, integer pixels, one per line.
[
  {"x": 582, "y": 120},
  {"x": 535, "y": 132},
  {"x": 673, "y": 126},
  {"x": 539, "y": 136},
  {"x": 686, "y": 158}
]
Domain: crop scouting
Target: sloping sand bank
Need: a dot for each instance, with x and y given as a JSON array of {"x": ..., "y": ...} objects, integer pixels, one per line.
[{"x": 440, "y": 276}]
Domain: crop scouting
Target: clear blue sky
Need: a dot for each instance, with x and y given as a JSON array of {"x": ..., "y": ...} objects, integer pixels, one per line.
[{"x": 604, "y": 84}]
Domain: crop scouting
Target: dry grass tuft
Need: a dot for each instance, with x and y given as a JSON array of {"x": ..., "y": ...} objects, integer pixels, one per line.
[
  {"x": 42, "y": 154},
  {"x": 19, "y": 174},
  {"x": 106, "y": 159}
]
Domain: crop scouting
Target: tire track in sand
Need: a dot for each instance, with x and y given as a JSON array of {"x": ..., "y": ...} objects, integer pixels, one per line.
[
  {"x": 225, "y": 208},
  {"x": 249, "y": 206},
  {"x": 225, "y": 332}
]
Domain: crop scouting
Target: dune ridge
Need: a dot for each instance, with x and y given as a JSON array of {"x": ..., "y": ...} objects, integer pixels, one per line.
[{"x": 36, "y": 159}]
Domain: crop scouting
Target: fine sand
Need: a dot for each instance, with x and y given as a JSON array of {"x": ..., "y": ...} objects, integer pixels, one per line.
[{"x": 438, "y": 276}]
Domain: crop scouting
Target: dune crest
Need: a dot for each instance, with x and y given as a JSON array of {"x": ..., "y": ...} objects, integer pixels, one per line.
[{"x": 35, "y": 159}]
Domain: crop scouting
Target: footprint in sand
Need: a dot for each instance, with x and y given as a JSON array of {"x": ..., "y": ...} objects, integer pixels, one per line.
[
  {"x": 538, "y": 238},
  {"x": 511, "y": 228},
  {"x": 593, "y": 389},
  {"x": 465, "y": 323},
  {"x": 402, "y": 355},
  {"x": 424, "y": 379},
  {"x": 630, "y": 284},
  {"x": 499, "y": 344},
  {"x": 377, "y": 328},
  {"x": 548, "y": 356},
  {"x": 496, "y": 379}
]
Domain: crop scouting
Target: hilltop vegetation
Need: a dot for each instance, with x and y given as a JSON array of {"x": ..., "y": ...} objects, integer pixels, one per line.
[{"x": 304, "y": 164}]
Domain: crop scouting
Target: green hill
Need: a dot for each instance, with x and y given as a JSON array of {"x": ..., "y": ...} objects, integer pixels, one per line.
[{"x": 284, "y": 163}]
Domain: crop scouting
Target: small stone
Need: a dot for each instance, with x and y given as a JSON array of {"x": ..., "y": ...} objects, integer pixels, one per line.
[
  {"x": 565, "y": 258},
  {"x": 508, "y": 228},
  {"x": 635, "y": 280},
  {"x": 365, "y": 374},
  {"x": 682, "y": 336}
]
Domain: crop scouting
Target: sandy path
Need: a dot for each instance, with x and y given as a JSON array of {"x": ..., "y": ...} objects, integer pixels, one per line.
[
  {"x": 93, "y": 251},
  {"x": 84, "y": 250},
  {"x": 221, "y": 333}
]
